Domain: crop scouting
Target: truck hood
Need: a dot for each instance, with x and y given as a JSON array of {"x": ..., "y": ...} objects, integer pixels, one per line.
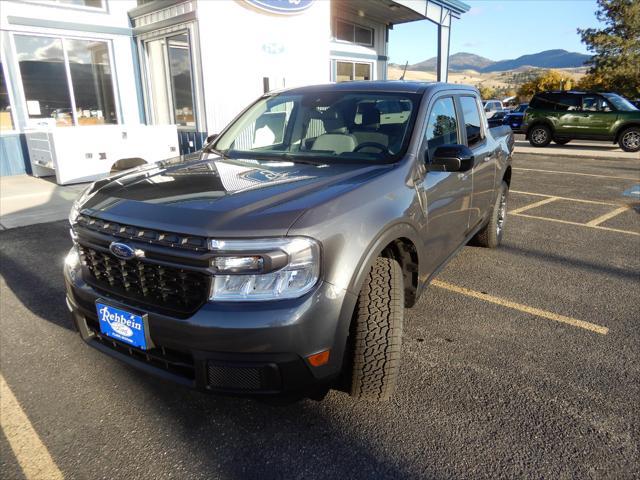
[{"x": 222, "y": 197}]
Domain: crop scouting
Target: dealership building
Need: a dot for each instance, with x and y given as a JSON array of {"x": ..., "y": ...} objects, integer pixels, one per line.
[{"x": 85, "y": 83}]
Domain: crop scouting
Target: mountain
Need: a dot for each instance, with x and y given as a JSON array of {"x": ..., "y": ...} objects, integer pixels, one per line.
[
  {"x": 468, "y": 61},
  {"x": 457, "y": 62},
  {"x": 547, "y": 59}
]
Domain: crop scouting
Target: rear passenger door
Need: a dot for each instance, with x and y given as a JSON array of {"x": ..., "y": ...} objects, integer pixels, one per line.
[
  {"x": 485, "y": 159},
  {"x": 445, "y": 196}
]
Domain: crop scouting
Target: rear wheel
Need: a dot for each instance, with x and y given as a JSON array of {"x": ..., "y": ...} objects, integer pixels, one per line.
[
  {"x": 491, "y": 234},
  {"x": 376, "y": 332},
  {"x": 630, "y": 139},
  {"x": 540, "y": 136},
  {"x": 561, "y": 141}
]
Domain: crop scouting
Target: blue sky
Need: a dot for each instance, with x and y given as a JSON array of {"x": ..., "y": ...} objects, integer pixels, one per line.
[{"x": 500, "y": 29}]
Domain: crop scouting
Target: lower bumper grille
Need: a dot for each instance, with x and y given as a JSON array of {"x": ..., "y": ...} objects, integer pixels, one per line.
[
  {"x": 165, "y": 288},
  {"x": 265, "y": 377}
]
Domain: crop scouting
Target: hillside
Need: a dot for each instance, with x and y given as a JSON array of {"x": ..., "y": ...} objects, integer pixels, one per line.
[{"x": 459, "y": 62}]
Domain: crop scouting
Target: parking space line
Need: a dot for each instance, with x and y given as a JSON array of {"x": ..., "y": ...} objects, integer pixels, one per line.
[
  {"x": 534, "y": 205},
  {"x": 580, "y": 200},
  {"x": 30, "y": 452},
  {"x": 603, "y": 218},
  {"x": 574, "y": 322},
  {"x": 567, "y": 222},
  {"x": 635, "y": 179}
]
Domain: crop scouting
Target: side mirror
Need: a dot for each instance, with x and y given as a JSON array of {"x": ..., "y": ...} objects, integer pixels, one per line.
[
  {"x": 211, "y": 138},
  {"x": 451, "y": 158}
]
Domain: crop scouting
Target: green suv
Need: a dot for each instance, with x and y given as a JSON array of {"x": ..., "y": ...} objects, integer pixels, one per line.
[{"x": 565, "y": 116}]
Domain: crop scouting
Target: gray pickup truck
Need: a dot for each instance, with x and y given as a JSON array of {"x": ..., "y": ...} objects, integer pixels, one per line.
[{"x": 279, "y": 259}]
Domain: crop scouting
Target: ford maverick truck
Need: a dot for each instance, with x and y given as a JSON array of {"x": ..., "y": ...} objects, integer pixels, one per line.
[{"x": 279, "y": 259}]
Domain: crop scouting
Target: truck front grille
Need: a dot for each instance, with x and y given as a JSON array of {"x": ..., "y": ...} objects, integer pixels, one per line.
[{"x": 162, "y": 288}]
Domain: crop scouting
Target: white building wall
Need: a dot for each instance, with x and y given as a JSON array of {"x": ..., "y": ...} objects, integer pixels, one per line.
[{"x": 240, "y": 45}]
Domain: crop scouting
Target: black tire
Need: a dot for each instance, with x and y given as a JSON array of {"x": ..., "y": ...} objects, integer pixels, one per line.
[
  {"x": 376, "y": 332},
  {"x": 629, "y": 139},
  {"x": 491, "y": 234},
  {"x": 539, "y": 136},
  {"x": 561, "y": 141}
]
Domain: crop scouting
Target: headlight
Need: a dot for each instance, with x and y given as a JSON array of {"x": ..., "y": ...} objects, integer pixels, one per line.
[
  {"x": 75, "y": 208},
  {"x": 264, "y": 269}
]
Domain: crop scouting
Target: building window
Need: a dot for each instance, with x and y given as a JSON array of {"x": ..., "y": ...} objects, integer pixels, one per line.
[
  {"x": 6, "y": 120},
  {"x": 346, "y": 71},
  {"x": 352, "y": 33},
  {"x": 66, "y": 82},
  {"x": 171, "y": 80},
  {"x": 88, "y": 4}
]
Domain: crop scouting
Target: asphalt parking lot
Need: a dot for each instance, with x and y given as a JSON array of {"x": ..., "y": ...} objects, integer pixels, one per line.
[{"x": 517, "y": 362}]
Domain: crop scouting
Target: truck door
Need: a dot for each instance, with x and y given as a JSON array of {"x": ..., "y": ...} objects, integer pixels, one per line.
[
  {"x": 446, "y": 196},
  {"x": 597, "y": 116},
  {"x": 485, "y": 162}
]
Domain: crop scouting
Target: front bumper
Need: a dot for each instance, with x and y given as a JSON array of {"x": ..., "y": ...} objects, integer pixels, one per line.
[{"x": 238, "y": 348}]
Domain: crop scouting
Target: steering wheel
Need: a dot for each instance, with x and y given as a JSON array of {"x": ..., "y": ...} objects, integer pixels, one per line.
[{"x": 381, "y": 147}]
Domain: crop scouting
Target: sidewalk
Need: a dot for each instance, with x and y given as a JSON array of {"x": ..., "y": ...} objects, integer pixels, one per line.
[
  {"x": 576, "y": 148},
  {"x": 25, "y": 200}
]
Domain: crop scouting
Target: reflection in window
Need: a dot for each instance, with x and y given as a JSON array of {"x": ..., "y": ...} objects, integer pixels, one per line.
[
  {"x": 44, "y": 79},
  {"x": 442, "y": 127},
  {"x": 180, "y": 66},
  {"x": 6, "y": 122},
  {"x": 346, "y": 71},
  {"x": 471, "y": 120},
  {"x": 46, "y": 86},
  {"x": 92, "y": 83}
]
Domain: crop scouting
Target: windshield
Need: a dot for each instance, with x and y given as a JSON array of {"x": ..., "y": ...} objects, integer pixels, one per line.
[
  {"x": 620, "y": 103},
  {"x": 323, "y": 127}
]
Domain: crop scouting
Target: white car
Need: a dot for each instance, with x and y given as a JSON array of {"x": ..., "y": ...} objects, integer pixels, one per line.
[{"x": 491, "y": 107}]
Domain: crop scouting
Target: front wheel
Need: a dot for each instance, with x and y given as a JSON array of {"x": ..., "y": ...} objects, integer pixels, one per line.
[
  {"x": 630, "y": 139},
  {"x": 491, "y": 234},
  {"x": 376, "y": 332},
  {"x": 540, "y": 136}
]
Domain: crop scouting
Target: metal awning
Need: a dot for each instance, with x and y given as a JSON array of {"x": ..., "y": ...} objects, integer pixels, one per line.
[{"x": 392, "y": 12}]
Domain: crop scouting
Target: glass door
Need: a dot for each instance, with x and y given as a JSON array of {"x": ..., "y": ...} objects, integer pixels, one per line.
[{"x": 170, "y": 81}]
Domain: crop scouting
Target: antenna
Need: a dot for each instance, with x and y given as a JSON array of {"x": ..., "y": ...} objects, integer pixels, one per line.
[{"x": 405, "y": 70}]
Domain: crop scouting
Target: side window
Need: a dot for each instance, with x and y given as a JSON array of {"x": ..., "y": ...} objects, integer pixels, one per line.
[
  {"x": 595, "y": 103},
  {"x": 442, "y": 126},
  {"x": 471, "y": 117},
  {"x": 566, "y": 102},
  {"x": 268, "y": 128}
]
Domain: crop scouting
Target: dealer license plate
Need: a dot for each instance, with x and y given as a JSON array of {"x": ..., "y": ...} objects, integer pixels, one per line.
[{"x": 121, "y": 325}]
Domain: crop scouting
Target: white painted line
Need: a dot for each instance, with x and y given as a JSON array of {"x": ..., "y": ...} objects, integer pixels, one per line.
[
  {"x": 31, "y": 453},
  {"x": 566, "y": 222},
  {"x": 580, "y": 200},
  {"x": 634, "y": 179},
  {"x": 534, "y": 205},
  {"x": 574, "y": 322},
  {"x": 607, "y": 216}
]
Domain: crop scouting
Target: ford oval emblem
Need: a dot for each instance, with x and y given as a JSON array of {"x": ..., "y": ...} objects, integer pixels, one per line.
[
  {"x": 281, "y": 7},
  {"x": 122, "y": 250}
]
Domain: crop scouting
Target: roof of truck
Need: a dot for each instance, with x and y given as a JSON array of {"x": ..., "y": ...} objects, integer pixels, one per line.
[{"x": 397, "y": 86}]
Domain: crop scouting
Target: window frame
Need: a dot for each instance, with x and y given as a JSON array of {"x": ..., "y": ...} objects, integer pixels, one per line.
[
  {"x": 483, "y": 125},
  {"x": 424, "y": 143},
  {"x": 197, "y": 91},
  {"x": 334, "y": 33},
  {"x": 353, "y": 62},
  {"x": 57, "y": 4},
  {"x": 20, "y": 86}
]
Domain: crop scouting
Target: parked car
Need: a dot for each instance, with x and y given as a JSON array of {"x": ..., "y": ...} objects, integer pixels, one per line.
[
  {"x": 280, "y": 259},
  {"x": 497, "y": 118},
  {"x": 564, "y": 116},
  {"x": 491, "y": 107},
  {"x": 515, "y": 117}
]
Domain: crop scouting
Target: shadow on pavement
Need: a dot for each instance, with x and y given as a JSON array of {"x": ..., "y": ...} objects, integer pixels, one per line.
[{"x": 215, "y": 436}]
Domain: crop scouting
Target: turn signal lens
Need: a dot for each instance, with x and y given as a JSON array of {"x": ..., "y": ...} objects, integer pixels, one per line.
[{"x": 319, "y": 359}]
